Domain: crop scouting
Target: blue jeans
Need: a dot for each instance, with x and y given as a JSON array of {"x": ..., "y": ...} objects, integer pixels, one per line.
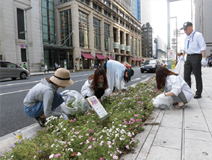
[{"x": 37, "y": 110}]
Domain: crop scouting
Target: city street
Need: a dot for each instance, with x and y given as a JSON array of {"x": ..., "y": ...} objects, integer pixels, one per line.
[{"x": 12, "y": 93}]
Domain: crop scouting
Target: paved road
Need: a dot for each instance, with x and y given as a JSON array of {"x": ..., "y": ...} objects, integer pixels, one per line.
[{"x": 12, "y": 93}]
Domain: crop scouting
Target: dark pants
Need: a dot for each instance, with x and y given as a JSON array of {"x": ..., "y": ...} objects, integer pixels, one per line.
[{"x": 193, "y": 64}]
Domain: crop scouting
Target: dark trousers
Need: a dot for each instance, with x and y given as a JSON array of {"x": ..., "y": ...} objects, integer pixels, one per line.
[
  {"x": 180, "y": 98},
  {"x": 193, "y": 64}
]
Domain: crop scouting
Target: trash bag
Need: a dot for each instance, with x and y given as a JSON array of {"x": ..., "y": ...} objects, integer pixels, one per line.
[
  {"x": 74, "y": 103},
  {"x": 179, "y": 69},
  {"x": 162, "y": 101}
]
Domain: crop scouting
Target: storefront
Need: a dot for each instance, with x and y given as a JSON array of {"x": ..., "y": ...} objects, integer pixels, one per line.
[
  {"x": 86, "y": 60},
  {"x": 99, "y": 61},
  {"x": 111, "y": 57}
]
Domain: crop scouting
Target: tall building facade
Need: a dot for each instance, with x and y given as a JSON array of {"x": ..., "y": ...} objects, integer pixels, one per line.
[
  {"x": 203, "y": 21},
  {"x": 136, "y": 8},
  {"x": 69, "y": 32},
  {"x": 12, "y": 32}
]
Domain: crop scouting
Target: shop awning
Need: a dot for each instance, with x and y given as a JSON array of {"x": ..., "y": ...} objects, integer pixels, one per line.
[
  {"x": 111, "y": 57},
  {"x": 137, "y": 59},
  {"x": 140, "y": 60},
  {"x": 100, "y": 56},
  {"x": 133, "y": 59},
  {"x": 87, "y": 56}
]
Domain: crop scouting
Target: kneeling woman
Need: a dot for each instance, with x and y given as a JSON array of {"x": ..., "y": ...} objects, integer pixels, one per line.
[
  {"x": 96, "y": 84},
  {"x": 42, "y": 100},
  {"x": 174, "y": 86}
]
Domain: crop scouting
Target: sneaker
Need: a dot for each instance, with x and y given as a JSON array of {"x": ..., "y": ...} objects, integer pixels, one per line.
[{"x": 41, "y": 121}]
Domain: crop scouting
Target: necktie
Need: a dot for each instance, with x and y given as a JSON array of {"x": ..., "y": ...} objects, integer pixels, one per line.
[{"x": 188, "y": 44}]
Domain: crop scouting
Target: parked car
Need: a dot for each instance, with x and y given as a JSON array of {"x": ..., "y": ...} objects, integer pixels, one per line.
[
  {"x": 11, "y": 70},
  {"x": 150, "y": 65}
]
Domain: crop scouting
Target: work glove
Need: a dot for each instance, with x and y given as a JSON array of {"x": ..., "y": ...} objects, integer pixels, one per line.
[
  {"x": 64, "y": 116},
  {"x": 204, "y": 62}
]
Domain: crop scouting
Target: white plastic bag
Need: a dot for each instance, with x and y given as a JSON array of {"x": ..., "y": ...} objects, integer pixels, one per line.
[
  {"x": 162, "y": 101},
  {"x": 179, "y": 69},
  {"x": 80, "y": 105}
]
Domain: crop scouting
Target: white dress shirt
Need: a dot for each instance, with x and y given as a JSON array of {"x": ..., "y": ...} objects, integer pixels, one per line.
[{"x": 194, "y": 43}]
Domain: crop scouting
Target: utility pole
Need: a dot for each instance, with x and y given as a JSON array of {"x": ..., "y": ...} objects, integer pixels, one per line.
[{"x": 26, "y": 36}]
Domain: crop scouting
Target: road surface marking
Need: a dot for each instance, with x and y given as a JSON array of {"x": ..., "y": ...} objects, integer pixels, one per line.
[{"x": 30, "y": 88}]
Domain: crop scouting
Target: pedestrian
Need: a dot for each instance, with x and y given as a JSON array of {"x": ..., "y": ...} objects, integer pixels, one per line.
[
  {"x": 99, "y": 64},
  {"x": 46, "y": 68},
  {"x": 76, "y": 66},
  {"x": 105, "y": 65},
  {"x": 42, "y": 100},
  {"x": 174, "y": 86},
  {"x": 96, "y": 84},
  {"x": 179, "y": 69},
  {"x": 55, "y": 66},
  {"x": 118, "y": 75},
  {"x": 194, "y": 47},
  {"x": 20, "y": 65},
  {"x": 24, "y": 65}
]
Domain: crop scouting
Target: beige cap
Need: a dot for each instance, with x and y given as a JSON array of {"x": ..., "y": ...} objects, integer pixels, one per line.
[{"x": 62, "y": 77}]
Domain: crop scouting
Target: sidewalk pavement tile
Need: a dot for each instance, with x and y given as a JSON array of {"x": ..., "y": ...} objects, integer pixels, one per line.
[
  {"x": 168, "y": 137},
  {"x": 196, "y": 126},
  {"x": 209, "y": 122},
  {"x": 198, "y": 135},
  {"x": 160, "y": 153},
  {"x": 207, "y": 112},
  {"x": 194, "y": 117},
  {"x": 198, "y": 150}
]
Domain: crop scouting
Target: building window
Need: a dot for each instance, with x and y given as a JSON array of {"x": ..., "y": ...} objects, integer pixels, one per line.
[
  {"x": 122, "y": 22},
  {"x": 132, "y": 29},
  {"x": 97, "y": 7},
  {"x": 131, "y": 39},
  {"x": 115, "y": 18},
  {"x": 48, "y": 21},
  {"x": 106, "y": 35},
  {"x": 132, "y": 22},
  {"x": 23, "y": 55},
  {"x": 66, "y": 27},
  {"x": 135, "y": 45},
  {"x": 121, "y": 13},
  {"x": 127, "y": 18},
  {"x": 139, "y": 47},
  {"x": 20, "y": 22},
  {"x": 107, "y": 13},
  {"x": 97, "y": 34},
  {"x": 83, "y": 29},
  {"x": 107, "y": 2},
  {"x": 115, "y": 8},
  {"x": 127, "y": 26},
  {"x": 63, "y": 1},
  {"x": 86, "y": 1}
]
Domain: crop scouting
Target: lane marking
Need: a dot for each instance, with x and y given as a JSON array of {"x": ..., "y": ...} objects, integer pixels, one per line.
[
  {"x": 136, "y": 79},
  {"x": 30, "y": 88},
  {"x": 34, "y": 81}
]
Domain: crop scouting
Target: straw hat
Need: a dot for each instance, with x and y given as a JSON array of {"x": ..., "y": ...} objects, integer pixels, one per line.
[{"x": 62, "y": 77}]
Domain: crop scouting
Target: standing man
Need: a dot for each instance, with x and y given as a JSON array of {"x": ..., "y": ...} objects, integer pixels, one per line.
[
  {"x": 76, "y": 66},
  {"x": 194, "y": 47}
]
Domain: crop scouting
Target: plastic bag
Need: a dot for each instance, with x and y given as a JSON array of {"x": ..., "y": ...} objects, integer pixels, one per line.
[
  {"x": 179, "y": 69},
  {"x": 77, "y": 101},
  {"x": 162, "y": 101}
]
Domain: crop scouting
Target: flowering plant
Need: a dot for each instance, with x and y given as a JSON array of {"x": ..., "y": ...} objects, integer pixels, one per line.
[{"x": 86, "y": 136}]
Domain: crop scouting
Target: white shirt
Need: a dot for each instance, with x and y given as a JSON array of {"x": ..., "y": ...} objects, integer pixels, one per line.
[
  {"x": 87, "y": 91},
  {"x": 176, "y": 84},
  {"x": 196, "y": 43},
  {"x": 115, "y": 74}
]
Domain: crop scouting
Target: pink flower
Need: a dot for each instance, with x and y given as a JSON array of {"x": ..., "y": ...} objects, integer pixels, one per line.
[
  {"x": 108, "y": 142},
  {"x": 90, "y": 147},
  {"x": 115, "y": 156},
  {"x": 85, "y": 151},
  {"x": 125, "y": 122},
  {"x": 136, "y": 115},
  {"x": 127, "y": 147},
  {"x": 81, "y": 143},
  {"x": 91, "y": 130},
  {"x": 120, "y": 103},
  {"x": 65, "y": 146},
  {"x": 80, "y": 136},
  {"x": 143, "y": 124},
  {"x": 137, "y": 125},
  {"x": 101, "y": 158},
  {"x": 74, "y": 120},
  {"x": 57, "y": 155},
  {"x": 139, "y": 101}
]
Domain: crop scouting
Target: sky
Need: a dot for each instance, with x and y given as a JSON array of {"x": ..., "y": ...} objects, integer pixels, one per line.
[{"x": 180, "y": 9}]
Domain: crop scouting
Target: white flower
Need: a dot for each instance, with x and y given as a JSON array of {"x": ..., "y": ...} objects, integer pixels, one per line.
[
  {"x": 70, "y": 149},
  {"x": 51, "y": 156},
  {"x": 79, "y": 154},
  {"x": 116, "y": 135},
  {"x": 64, "y": 129},
  {"x": 52, "y": 145}
]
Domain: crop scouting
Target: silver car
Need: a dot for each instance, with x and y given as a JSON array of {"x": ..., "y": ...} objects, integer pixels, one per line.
[{"x": 11, "y": 70}]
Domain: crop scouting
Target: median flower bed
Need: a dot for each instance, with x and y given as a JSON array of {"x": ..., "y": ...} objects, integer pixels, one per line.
[{"x": 86, "y": 136}]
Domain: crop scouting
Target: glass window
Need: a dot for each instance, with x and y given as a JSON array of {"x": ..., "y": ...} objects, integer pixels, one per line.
[
  {"x": 83, "y": 29},
  {"x": 127, "y": 18},
  {"x": 97, "y": 33},
  {"x": 115, "y": 8},
  {"x": 121, "y": 13},
  {"x": 106, "y": 35},
  {"x": 107, "y": 2},
  {"x": 115, "y": 18},
  {"x": 20, "y": 23}
]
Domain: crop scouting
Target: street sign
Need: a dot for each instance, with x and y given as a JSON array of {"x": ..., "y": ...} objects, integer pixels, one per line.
[{"x": 22, "y": 45}]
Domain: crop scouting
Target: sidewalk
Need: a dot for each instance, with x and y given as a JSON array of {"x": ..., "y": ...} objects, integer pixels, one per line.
[{"x": 179, "y": 134}]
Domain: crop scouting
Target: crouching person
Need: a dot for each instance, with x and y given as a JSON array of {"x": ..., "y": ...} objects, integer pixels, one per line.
[
  {"x": 174, "y": 86},
  {"x": 42, "y": 100},
  {"x": 96, "y": 84}
]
